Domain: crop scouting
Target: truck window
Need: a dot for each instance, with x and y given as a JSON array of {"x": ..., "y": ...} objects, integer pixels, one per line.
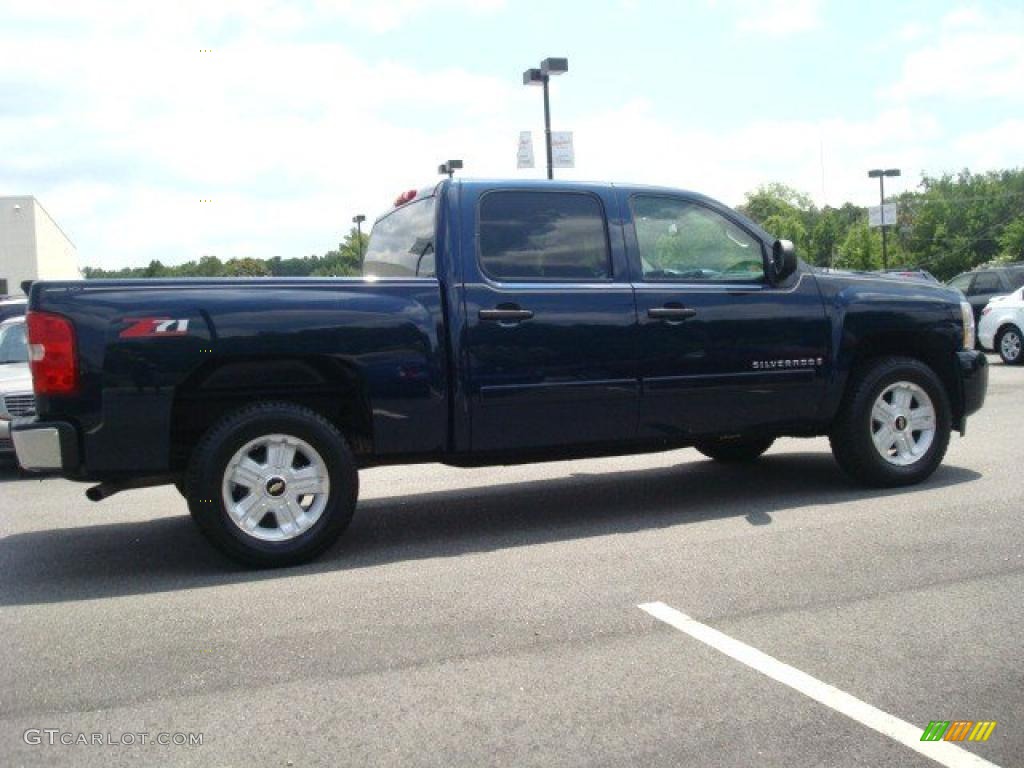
[
  {"x": 961, "y": 282},
  {"x": 681, "y": 240},
  {"x": 543, "y": 236},
  {"x": 402, "y": 242},
  {"x": 986, "y": 282},
  {"x": 13, "y": 346}
]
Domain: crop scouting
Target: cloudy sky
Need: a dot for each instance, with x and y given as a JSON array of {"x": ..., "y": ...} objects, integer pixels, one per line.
[{"x": 303, "y": 114}]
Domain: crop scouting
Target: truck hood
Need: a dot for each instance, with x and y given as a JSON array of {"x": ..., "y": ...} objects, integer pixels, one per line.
[
  {"x": 15, "y": 377},
  {"x": 889, "y": 284}
]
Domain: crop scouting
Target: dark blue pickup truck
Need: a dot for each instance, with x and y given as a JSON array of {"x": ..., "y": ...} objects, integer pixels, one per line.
[{"x": 496, "y": 322}]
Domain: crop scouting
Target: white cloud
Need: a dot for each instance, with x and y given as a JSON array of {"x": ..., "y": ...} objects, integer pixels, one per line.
[
  {"x": 970, "y": 56},
  {"x": 999, "y": 146},
  {"x": 120, "y": 125},
  {"x": 632, "y": 143},
  {"x": 778, "y": 18}
]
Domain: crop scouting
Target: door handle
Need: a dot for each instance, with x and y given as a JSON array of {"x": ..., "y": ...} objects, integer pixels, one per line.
[
  {"x": 508, "y": 315},
  {"x": 671, "y": 313}
]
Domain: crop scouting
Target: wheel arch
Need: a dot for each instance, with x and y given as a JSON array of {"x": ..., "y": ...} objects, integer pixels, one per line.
[
  {"x": 929, "y": 348},
  {"x": 327, "y": 385}
]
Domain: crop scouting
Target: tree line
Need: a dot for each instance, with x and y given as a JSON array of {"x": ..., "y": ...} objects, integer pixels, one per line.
[
  {"x": 949, "y": 224},
  {"x": 345, "y": 260}
]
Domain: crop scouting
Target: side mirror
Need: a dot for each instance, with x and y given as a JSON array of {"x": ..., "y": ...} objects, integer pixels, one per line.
[{"x": 783, "y": 261}]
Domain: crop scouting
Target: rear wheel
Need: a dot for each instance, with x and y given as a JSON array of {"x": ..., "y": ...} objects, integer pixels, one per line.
[
  {"x": 271, "y": 485},
  {"x": 734, "y": 451},
  {"x": 894, "y": 425},
  {"x": 1008, "y": 344}
]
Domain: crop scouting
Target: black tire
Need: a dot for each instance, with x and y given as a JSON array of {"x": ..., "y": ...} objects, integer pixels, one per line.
[
  {"x": 1015, "y": 357},
  {"x": 735, "y": 451},
  {"x": 851, "y": 436},
  {"x": 210, "y": 461}
]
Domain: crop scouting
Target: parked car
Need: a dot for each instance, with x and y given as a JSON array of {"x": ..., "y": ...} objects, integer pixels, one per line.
[
  {"x": 12, "y": 307},
  {"x": 981, "y": 285},
  {"x": 16, "y": 398},
  {"x": 910, "y": 272},
  {"x": 1002, "y": 327},
  {"x": 497, "y": 322}
]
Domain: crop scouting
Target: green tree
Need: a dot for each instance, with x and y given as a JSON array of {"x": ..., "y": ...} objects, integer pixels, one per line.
[
  {"x": 958, "y": 222},
  {"x": 209, "y": 266},
  {"x": 861, "y": 248},
  {"x": 1011, "y": 242},
  {"x": 785, "y": 213},
  {"x": 346, "y": 259},
  {"x": 246, "y": 268}
]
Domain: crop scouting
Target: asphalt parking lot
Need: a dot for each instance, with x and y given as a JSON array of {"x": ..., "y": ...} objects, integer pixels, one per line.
[{"x": 490, "y": 617}]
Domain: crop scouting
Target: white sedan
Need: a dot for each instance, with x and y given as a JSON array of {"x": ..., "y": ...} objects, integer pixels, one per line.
[
  {"x": 1002, "y": 326},
  {"x": 16, "y": 398}
]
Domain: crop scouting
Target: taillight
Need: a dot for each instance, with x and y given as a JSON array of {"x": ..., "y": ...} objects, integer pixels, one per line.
[{"x": 51, "y": 353}]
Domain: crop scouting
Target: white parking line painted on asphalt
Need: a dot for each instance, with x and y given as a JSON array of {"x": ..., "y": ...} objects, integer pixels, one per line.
[{"x": 943, "y": 752}]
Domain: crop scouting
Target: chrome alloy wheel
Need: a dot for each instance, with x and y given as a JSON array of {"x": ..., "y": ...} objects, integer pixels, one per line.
[
  {"x": 1009, "y": 345},
  {"x": 903, "y": 423},
  {"x": 275, "y": 487}
]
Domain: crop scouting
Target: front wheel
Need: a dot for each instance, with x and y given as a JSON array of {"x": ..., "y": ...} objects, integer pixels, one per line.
[
  {"x": 1008, "y": 344},
  {"x": 893, "y": 428},
  {"x": 272, "y": 485}
]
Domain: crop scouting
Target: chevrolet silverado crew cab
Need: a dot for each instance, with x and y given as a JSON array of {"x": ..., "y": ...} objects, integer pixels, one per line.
[{"x": 496, "y": 322}]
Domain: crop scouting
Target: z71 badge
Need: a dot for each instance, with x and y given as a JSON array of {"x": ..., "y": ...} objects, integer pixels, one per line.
[{"x": 147, "y": 327}]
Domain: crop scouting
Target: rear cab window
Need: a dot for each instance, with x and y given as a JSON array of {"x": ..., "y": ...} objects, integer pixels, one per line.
[
  {"x": 528, "y": 236},
  {"x": 402, "y": 242}
]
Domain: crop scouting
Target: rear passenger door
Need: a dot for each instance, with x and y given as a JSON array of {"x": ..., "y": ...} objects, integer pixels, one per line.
[{"x": 550, "y": 354}]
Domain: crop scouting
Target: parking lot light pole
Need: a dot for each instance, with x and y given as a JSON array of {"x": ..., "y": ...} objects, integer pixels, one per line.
[
  {"x": 548, "y": 67},
  {"x": 358, "y": 220},
  {"x": 878, "y": 173},
  {"x": 450, "y": 168}
]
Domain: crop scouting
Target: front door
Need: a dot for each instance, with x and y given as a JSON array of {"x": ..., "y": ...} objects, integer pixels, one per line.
[
  {"x": 722, "y": 350},
  {"x": 550, "y": 347}
]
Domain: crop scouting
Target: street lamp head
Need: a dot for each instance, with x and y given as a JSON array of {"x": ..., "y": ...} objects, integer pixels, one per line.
[
  {"x": 892, "y": 172},
  {"x": 454, "y": 165},
  {"x": 533, "y": 77},
  {"x": 358, "y": 219},
  {"x": 552, "y": 66},
  {"x": 875, "y": 173}
]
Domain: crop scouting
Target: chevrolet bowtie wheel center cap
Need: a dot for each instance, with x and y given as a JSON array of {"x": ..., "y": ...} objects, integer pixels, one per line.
[{"x": 276, "y": 486}]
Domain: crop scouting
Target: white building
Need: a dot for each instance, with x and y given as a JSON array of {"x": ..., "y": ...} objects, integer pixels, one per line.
[{"x": 32, "y": 246}]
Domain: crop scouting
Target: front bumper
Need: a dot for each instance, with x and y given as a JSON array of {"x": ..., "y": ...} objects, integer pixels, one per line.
[
  {"x": 45, "y": 446},
  {"x": 973, "y": 370}
]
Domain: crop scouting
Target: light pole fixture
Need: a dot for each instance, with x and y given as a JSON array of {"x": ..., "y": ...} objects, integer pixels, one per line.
[
  {"x": 878, "y": 173},
  {"x": 449, "y": 168},
  {"x": 358, "y": 220},
  {"x": 541, "y": 76}
]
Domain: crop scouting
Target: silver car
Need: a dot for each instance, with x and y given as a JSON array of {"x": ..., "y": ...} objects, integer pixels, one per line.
[{"x": 16, "y": 398}]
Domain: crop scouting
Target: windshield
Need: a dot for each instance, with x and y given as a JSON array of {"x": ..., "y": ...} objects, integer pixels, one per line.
[
  {"x": 402, "y": 243},
  {"x": 13, "y": 346}
]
